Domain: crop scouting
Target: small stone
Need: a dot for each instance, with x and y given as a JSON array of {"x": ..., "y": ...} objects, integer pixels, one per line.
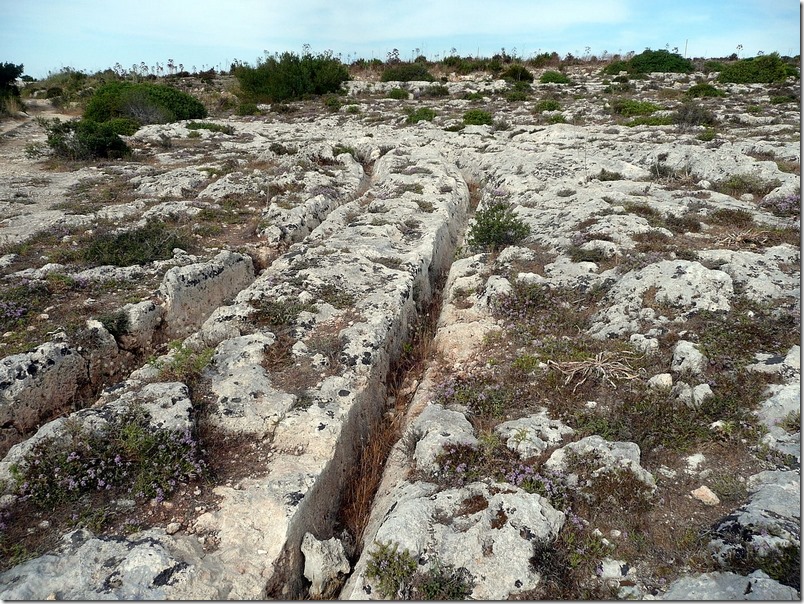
[
  {"x": 43, "y": 316},
  {"x": 661, "y": 381},
  {"x": 615, "y": 534},
  {"x": 44, "y": 525},
  {"x": 173, "y": 528},
  {"x": 705, "y": 495}
]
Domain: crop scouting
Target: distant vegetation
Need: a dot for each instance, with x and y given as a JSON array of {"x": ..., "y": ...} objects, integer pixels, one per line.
[
  {"x": 144, "y": 103},
  {"x": 9, "y": 93},
  {"x": 758, "y": 70},
  {"x": 650, "y": 61},
  {"x": 288, "y": 76}
]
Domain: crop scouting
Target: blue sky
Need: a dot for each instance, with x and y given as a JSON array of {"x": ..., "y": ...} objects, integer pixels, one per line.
[{"x": 91, "y": 35}]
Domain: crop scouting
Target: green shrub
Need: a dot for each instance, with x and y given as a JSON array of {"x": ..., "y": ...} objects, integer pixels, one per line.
[
  {"x": 649, "y": 120},
  {"x": 116, "y": 323},
  {"x": 442, "y": 582},
  {"x": 557, "y": 119},
  {"x": 54, "y": 92},
  {"x": 398, "y": 93},
  {"x": 739, "y": 184},
  {"x": 650, "y": 61},
  {"x": 757, "y": 70},
  {"x": 144, "y": 102},
  {"x": 9, "y": 72},
  {"x": 516, "y": 96},
  {"x": 707, "y": 135},
  {"x": 699, "y": 90},
  {"x": 212, "y": 127},
  {"x": 496, "y": 227},
  {"x": 247, "y": 109},
  {"x": 391, "y": 569},
  {"x": 84, "y": 139},
  {"x": 554, "y": 77},
  {"x": 477, "y": 117},
  {"x": 783, "y": 98},
  {"x": 547, "y": 105},
  {"x": 710, "y": 66},
  {"x": 517, "y": 73},
  {"x": 631, "y": 107},
  {"x": 145, "y": 244},
  {"x": 692, "y": 114},
  {"x": 407, "y": 72},
  {"x": 288, "y": 76},
  {"x": 437, "y": 90},
  {"x": 422, "y": 113},
  {"x": 332, "y": 102},
  {"x": 663, "y": 61}
]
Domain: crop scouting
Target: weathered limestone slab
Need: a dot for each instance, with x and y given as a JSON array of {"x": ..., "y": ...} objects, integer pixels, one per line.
[{"x": 192, "y": 292}]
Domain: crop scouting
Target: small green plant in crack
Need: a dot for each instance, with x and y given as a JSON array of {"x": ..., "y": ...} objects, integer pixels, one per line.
[
  {"x": 442, "y": 582},
  {"x": 477, "y": 117},
  {"x": 606, "y": 175},
  {"x": 186, "y": 364},
  {"x": 390, "y": 569},
  {"x": 415, "y": 188},
  {"x": 277, "y": 314},
  {"x": 421, "y": 114},
  {"x": 211, "y": 126},
  {"x": 547, "y": 105},
  {"x": 791, "y": 422},
  {"x": 116, "y": 322},
  {"x": 739, "y": 184},
  {"x": 566, "y": 564},
  {"x": 730, "y": 488},
  {"x": 731, "y": 217},
  {"x": 398, "y": 93},
  {"x": 482, "y": 397},
  {"x": 495, "y": 227}
]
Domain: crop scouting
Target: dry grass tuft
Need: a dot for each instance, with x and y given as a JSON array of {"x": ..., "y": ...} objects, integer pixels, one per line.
[{"x": 608, "y": 366}]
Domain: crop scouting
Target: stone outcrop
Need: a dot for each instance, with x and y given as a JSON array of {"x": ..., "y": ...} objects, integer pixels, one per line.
[{"x": 357, "y": 222}]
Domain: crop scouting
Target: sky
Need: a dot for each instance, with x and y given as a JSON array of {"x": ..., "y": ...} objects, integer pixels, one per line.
[{"x": 47, "y": 36}]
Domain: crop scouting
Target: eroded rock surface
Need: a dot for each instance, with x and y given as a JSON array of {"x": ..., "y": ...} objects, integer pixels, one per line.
[{"x": 345, "y": 227}]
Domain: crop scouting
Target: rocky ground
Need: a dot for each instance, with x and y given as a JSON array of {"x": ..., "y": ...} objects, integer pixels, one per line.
[{"x": 607, "y": 407}]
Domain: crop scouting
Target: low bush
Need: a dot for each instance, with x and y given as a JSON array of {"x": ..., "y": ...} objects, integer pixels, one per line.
[
  {"x": 704, "y": 90},
  {"x": 9, "y": 92},
  {"x": 84, "y": 139},
  {"x": 144, "y": 102},
  {"x": 650, "y": 61},
  {"x": 547, "y": 105},
  {"x": 420, "y": 114},
  {"x": 650, "y": 120},
  {"x": 407, "y": 72},
  {"x": 211, "y": 126},
  {"x": 154, "y": 241},
  {"x": 288, "y": 76},
  {"x": 757, "y": 70},
  {"x": 437, "y": 90},
  {"x": 496, "y": 227},
  {"x": 517, "y": 73},
  {"x": 398, "y": 93},
  {"x": 554, "y": 77},
  {"x": 477, "y": 117},
  {"x": 691, "y": 114},
  {"x": 127, "y": 454},
  {"x": 631, "y": 107}
]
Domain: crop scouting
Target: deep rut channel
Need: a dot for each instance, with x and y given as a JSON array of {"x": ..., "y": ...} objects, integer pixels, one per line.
[{"x": 303, "y": 363}]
